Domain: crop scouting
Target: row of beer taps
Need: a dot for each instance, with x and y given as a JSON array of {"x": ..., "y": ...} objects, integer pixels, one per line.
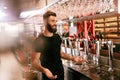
[
  {"x": 86, "y": 50},
  {"x": 110, "y": 52}
]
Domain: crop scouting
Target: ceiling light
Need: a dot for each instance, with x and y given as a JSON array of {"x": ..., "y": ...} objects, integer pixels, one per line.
[
  {"x": 2, "y": 14},
  {"x": 5, "y": 7}
]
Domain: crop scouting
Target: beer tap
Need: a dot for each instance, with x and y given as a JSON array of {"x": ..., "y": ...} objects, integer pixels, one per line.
[
  {"x": 85, "y": 55},
  {"x": 97, "y": 52},
  {"x": 110, "y": 59},
  {"x": 85, "y": 46},
  {"x": 65, "y": 44},
  {"x": 98, "y": 56},
  {"x": 78, "y": 46},
  {"x": 77, "y": 43},
  {"x": 71, "y": 47},
  {"x": 110, "y": 51}
]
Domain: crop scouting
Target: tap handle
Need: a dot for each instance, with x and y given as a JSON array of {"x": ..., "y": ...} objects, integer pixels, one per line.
[
  {"x": 71, "y": 47},
  {"x": 65, "y": 45},
  {"x": 78, "y": 46},
  {"x": 70, "y": 43},
  {"x": 110, "y": 48},
  {"x": 97, "y": 49},
  {"x": 86, "y": 46}
]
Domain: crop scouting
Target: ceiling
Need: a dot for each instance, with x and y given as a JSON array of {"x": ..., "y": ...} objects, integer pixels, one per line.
[{"x": 13, "y": 8}]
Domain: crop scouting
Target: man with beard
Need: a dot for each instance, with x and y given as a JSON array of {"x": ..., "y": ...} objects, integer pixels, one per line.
[{"x": 47, "y": 48}]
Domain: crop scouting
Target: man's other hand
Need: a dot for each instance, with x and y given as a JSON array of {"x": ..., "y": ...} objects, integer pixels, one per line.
[
  {"x": 49, "y": 74},
  {"x": 79, "y": 60}
]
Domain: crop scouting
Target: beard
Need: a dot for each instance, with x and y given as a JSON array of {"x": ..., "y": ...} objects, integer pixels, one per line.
[{"x": 50, "y": 29}]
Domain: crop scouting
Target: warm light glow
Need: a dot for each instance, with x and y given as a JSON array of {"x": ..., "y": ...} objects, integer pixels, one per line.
[
  {"x": 4, "y": 7},
  {"x": 118, "y": 6},
  {"x": 2, "y": 14},
  {"x": 71, "y": 24},
  {"x": 36, "y": 12}
]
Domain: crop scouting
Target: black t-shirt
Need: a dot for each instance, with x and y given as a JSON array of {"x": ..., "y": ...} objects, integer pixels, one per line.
[{"x": 50, "y": 52}]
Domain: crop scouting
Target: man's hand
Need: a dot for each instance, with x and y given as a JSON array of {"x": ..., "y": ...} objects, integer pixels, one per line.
[
  {"x": 49, "y": 74},
  {"x": 79, "y": 60}
]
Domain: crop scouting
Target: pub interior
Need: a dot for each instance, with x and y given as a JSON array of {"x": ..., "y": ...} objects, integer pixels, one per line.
[{"x": 88, "y": 28}]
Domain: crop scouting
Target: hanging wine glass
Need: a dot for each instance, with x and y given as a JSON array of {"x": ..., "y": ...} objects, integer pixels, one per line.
[{"x": 95, "y": 7}]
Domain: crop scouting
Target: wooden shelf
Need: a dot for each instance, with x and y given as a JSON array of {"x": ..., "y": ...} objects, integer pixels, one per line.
[
  {"x": 110, "y": 21},
  {"x": 112, "y": 37},
  {"x": 111, "y": 33},
  {"x": 105, "y": 22},
  {"x": 106, "y": 33},
  {"x": 111, "y": 26},
  {"x": 99, "y": 27},
  {"x": 99, "y": 22}
]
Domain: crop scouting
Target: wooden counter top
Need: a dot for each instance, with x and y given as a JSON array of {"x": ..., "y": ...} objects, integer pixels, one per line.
[{"x": 91, "y": 73}]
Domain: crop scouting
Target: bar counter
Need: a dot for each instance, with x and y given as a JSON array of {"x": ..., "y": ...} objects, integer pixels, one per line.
[
  {"x": 77, "y": 69},
  {"x": 75, "y": 72}
]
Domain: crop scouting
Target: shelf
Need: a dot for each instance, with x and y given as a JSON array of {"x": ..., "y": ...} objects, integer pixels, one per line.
[
  {"x": 111, "y": 26},
  {"x": 111, "y": 33},
  {"x": 107, "y": 27},
  {"x": 110, "y": 21},
  {"x": 99, "y": 27},
  {"x": 112, "y": 37},
  {"x": 99, "y": 22},
  {"x": 105, "y": 22}
]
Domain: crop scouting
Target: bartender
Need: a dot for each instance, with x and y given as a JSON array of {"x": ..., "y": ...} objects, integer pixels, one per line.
[{"x": 47, "y": 49}]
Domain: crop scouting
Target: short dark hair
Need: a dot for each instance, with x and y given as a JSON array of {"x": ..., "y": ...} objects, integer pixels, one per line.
[{"x": 48, "y": 14}]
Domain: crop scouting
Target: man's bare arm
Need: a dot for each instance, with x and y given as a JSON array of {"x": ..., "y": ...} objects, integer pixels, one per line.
[
  {"x": 76, "y": 59},
  {"x": 35, "y": 62},
  {"x": 37, "y": 66},
  {"x": 66, "y": 56}
]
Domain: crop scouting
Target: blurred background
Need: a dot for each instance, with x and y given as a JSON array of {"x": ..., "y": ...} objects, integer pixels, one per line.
[{"x": 21, "y": 22}]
